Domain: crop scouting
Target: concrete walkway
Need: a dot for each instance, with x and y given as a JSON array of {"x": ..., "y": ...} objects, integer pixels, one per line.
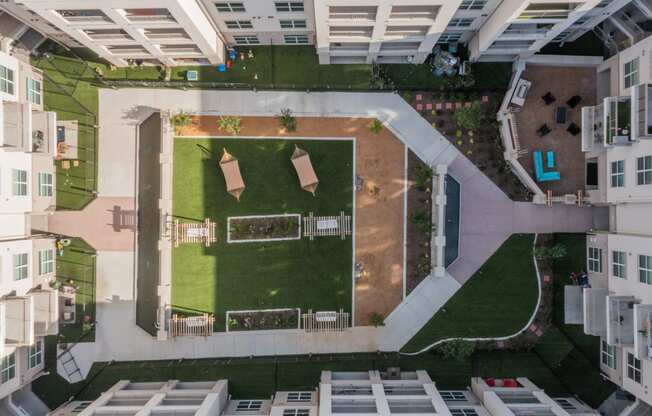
[
  {"x": 106, "y": 223},
  {"x": 488, "y": 217}
]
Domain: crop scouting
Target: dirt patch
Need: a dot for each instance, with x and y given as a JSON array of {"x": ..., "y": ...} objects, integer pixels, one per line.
[
  {"x": 379, "y": 203},
  {"x": 419, "y": 214},
  {"x": 264, "y": 228}
]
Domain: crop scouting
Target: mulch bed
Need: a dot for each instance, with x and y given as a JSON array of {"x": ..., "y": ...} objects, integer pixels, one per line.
[
  {"x": 419, "y": 203},
  {"x": 261, "y": 320},
  {"x": 255, "y": 228}
]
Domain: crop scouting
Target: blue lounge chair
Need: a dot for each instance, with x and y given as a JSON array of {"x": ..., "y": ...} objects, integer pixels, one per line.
[{"x": 550, "y": 159}]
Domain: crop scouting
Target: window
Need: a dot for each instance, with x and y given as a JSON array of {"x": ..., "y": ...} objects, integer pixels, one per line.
[
  {"x": 631, "y": 73},
  {"x": 633, "y": 368},
  {"x": 33, "y": 91},
  {"x": 296, "y": 39},
  {"x": 35, "y": 354},
  {"x": 645, "y": 269},
  {"x": 246, "y": 40},
  {"x": 618, "y": 174},
  {"x": 6, "y": 80},
  {"x": 449, "y": 37},
  {"x": 238, "y": 24},
  {"x": 19, "y": 178},
  {"x": 247, "y": 405},
  {"x": 296, "y": 412},
  {"x": 45, "y": 261},
  {"x": 595, "y": 260},
  {"x": 565, "y": 404},
  {"x": 618, "y": 263},
  {"x": 464, "y": 411},
  {"x": 472, "y": 4},
  {"x": 230, "y": 7},
  {"x": 44, "y": 184},
  {"x": 20, "y": 266},
  {"x": 292, "y": 24},
  {"x": 288, "y": 6},
  {"x": 462, "y": 22},
  {"x": 8, "y": 368},
  {"x": 453, "y": 396},
  {"x": 644, "y": 170},
  {"x": 299, "y": 396},
  {"x": 608, "y": 353}
]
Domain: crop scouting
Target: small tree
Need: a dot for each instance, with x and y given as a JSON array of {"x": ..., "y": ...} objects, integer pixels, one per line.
[
  {"x": 180, "y": 120},
  {"x": 287, "y": 120},
  {"x": 377, "y": 320},
  {"x": 458, "y": 349},
  {"x": 376, "y": 126},
  {"x": 231, "y": 124},
  {"x": 469, "y": 118},
  {"x": 423, "y": 177}
]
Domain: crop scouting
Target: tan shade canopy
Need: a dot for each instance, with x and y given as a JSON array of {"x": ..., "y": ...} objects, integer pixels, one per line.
[
  {"x": 305, "y": 171},
  {"x": 231, "y": 170}
]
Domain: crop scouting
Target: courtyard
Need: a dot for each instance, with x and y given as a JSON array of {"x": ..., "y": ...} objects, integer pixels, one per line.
[{"x": 317, "y": 274}]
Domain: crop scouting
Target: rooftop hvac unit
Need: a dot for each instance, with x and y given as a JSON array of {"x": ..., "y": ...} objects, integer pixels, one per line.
[{"x": 393, "y": 373}]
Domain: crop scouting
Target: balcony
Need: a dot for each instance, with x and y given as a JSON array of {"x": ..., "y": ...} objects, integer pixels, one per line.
[
  {"x": 592, "y": 127},
  {"x": 132, "y": 51},
  {"x": 414, "y": 13},
  {"x": 355, "y": 32},
  {"x": 406, "y": 31},
  {"x": 27, "y": 130},
  {"x": 353, "y": 13},
  {"x": 108, "y": 35},
  {"x": 520, "y": 31},
  {"x": 149, "y": 16},
  {"x": 19, "y": 321},
  {"x": 166, "y": 35},
  {"x": 594, "y": 311},
  {"x": 620, "y": 323},
  {"x": 643, "y": 335},
  {"x": 642, "y": 111},
  {"x": 89, "y": 16},
  {"x": 548, "y": 11},
  {"x": 181, "y": 50},
  {"x": 46, "y": 311},
  {"x": 618, "y": 121}
]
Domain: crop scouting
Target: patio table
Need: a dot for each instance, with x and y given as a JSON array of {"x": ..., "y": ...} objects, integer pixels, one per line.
[{"x": 560, "y": 115}]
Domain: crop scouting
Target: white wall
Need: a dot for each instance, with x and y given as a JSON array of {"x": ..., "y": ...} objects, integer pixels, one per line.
[{"x": 11, "y": 63}]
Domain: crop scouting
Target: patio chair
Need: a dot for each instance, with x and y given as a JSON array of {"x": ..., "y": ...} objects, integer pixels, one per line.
[
  {"x": 574, "y": 101},
  {"x": 574, "y": 129},
  {"x": 232, "y": 176},
  {"x": 305, "y": 172},
  {"x": 543, "y": 130},
  {"x": 548, "y": 98}
]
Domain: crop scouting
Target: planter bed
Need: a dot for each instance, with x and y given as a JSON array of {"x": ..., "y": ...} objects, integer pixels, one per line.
[
  {"x": 256, "y": 228},
  {"x": 264, "y": 319}
]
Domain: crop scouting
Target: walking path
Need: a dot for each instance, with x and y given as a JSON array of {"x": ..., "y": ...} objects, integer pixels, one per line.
[{"x": 488, "y": 217}]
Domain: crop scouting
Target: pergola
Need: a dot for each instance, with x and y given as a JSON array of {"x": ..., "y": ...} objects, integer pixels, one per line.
[
  {"x": 232, "y": 176},
  {"x": 305, "y": 172}
]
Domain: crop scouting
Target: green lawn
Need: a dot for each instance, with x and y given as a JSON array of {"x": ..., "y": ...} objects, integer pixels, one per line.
[
  {"x": 68, "y": 92},
  {"x": 302, "y": 273},
  {"x": 498, "y": 300},
  {"x": 77, "y": 267}
]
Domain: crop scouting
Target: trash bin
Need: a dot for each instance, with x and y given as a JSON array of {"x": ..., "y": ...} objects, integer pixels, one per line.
[{"x": 221, "y": 68}]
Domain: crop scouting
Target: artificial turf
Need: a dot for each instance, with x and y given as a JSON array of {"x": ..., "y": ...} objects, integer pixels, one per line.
[
  {"x": 498, "y": 300},
  {"x": 301, "y": 273}
]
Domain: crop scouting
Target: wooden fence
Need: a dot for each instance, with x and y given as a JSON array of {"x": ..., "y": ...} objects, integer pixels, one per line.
[
  {"x": 327, "y": 226},
  {"x": 191, "y": 326},
  {"x": 325, "y": 321}
]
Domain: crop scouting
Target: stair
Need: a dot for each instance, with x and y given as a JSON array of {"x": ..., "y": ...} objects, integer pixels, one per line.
[{"x": 71, "y": 371}]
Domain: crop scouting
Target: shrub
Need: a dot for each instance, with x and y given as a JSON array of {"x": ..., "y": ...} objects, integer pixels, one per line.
[
  {"x": 287, "y": 120},
  {"x": 377, "y": 320},
  {"x": 376, "y": 126},
  {"x": 458, "y": 349},
  {"x": 469, "y": 118},
  {"x": 423, "y": 177},
  {"x": 230, "y": 124},
  {"x": 179, "y": 120},
  {"x": 557, "y": 251},
  {"x": 422, "y": 221}
]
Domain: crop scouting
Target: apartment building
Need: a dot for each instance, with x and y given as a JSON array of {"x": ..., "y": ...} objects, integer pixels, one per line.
[
  {"x": 363, "y": 393},
  {"x": 616, "y": 303},
  {"x": 28, "y": 307}
]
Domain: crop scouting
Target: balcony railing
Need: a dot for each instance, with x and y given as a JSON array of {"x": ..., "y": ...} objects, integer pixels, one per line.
[
  {"x": 620, "y": 324},
  {"x": 149, "y": 16},
  {"x": 618, "y": 120},
  {"x": 643, "y": 327}
]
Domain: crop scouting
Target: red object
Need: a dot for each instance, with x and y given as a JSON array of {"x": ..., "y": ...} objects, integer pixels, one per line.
[
  {"x": 491, "y": 382},
  {"x": 229, "y": 64},
  {"x": 510, "y": 382}
]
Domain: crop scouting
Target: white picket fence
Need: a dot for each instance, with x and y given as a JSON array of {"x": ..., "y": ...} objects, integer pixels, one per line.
[
  {"x": 191, "y": 326},
  {"x": 330, "y": 321},
  {"x": 326, "y": 226}
]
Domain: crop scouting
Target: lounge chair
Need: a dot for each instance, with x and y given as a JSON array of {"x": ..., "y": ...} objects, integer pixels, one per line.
[
  {"x": 232, "y": 176},
  {"x": 305, "y": 172},
  {"x": 543, "y": 130},
  {"x": 548, "y": 98},
  {"x": 542, "y": 176},
  {"x": 574, "y": 101}
]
